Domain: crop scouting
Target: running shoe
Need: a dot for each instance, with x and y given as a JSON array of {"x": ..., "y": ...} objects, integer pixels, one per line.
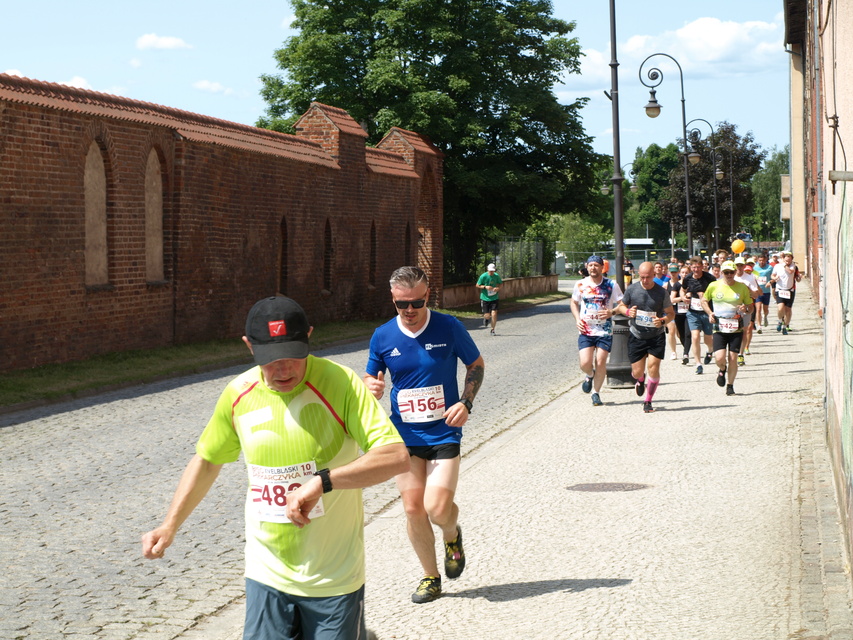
[
  {"x": 699, "y": 370},
  {"x": 492, "y": 332},
  {"x": 673, "y": 356},
  {"x": 454, "y": 556},
  {"x": 788, "y": 328},
  {"x": 765, "y": 321},
  {"x": 759, "y": 328},
  {"x": 428, "y": 590},
  {"x": 596, "y": 401},
  {"x": 586, "y": 387},
  {"x": 685, "y": 360},
  {"x": 779, "y": 327},
  {"x": 721, "y": 378},
  {"x": 485, "y": 322},
  {"x": 741, "y": 361},
  {"x": 647, "y": 407},
  {"x": 746, "y": 352},
  {"x": 640, "y": 387},
  {"x": 707, "y": 358},
  {"x": 784, "y": 331},
  {"x": 730, "y": 390}
]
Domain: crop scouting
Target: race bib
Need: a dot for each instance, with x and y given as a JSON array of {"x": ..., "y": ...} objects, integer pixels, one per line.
[
  {"x": 593, "y": 319},
  {"x": 729, "y": 325},
  {"x": 645, "y": 318},
  {"x": 696, "y": 304},
  {"x": 784, "y": 294},
  {"x": 762, "y": 281},
  {"x": 682, "y": 307},
  {"x": 491, "y": 291},
  {"x": 421, "y": 405},
  {"x": 270, "y": 487}
]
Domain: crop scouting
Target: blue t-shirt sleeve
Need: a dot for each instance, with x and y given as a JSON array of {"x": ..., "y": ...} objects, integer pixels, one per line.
[
  {"x": 465, "y": 347},
  {"x": 375, "y": 362}
]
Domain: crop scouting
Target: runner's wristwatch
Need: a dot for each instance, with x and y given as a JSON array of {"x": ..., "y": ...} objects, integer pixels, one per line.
[
  {"x": 468, "y": 404},
  {"x": 325, "y": 479}
]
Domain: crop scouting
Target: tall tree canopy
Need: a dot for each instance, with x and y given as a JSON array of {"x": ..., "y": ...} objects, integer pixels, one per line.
[
  {"x": 764, "y": 222},
  {"x": 739, "y": 157},
  {"x": 475, "y": 76},
  {"x": 652, "y": 168}
]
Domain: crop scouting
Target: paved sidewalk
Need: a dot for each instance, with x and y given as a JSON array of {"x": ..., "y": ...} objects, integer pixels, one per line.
[{"x": 714, "y": 517}]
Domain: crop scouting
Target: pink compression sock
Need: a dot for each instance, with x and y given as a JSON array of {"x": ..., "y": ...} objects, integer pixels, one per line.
[{"x": 651, "y": 387}]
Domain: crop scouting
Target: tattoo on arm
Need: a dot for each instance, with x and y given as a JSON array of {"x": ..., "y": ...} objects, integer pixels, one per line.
[{"x": 473, "y": 381}]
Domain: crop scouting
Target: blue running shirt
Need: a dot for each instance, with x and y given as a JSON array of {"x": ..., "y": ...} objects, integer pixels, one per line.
[{"x": 423, "y": 369}]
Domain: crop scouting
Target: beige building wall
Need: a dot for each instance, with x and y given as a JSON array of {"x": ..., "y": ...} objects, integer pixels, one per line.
[{"x": 798, "y": 189}]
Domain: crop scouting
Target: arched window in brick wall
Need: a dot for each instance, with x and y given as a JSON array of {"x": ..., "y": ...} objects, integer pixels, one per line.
[
  {"x": 328, "y": 257},
  {"x": 153, "y": 219},
  {"x": 371, "y": 267},
  {"x": 407, "y": 245},
  {"x": 95, "y": 199},
  {"x": 282, "y": 259}
]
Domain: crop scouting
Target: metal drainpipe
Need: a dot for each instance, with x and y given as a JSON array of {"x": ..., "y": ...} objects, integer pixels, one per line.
[{"x": 821, "y": 192}]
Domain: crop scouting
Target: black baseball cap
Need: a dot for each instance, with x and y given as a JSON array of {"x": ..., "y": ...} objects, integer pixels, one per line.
[{"x": 277, "y": 328}]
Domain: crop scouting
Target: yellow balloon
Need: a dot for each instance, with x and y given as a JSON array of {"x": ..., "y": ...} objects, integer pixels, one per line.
[{"x": 738, "y": 246}]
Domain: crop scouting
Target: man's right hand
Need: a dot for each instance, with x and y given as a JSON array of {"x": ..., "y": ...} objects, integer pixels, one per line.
[
  {"x": 155, "y": 543},
  {"x": 375, "y": 384}
]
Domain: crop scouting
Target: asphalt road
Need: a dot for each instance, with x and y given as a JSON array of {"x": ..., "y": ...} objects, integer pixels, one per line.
[{"x": 84, "y": 479}]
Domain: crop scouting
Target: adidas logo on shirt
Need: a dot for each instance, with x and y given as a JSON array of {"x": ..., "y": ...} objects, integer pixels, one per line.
[{"x": 394, "y": 353}]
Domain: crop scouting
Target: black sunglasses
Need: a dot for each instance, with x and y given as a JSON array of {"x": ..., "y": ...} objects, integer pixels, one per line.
[{"x": 404, "y": 304}]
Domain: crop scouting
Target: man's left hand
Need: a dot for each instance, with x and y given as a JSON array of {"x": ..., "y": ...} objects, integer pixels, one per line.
[
  {"x": 303, "y": 500},
  {"x": 456, "y": 416}
]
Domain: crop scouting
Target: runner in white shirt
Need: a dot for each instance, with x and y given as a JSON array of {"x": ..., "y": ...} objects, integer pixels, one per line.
[
  {"x": 593, "y": 301},
  {"x": 786, "y": 275},
  {"x": 755, "y": 292}
]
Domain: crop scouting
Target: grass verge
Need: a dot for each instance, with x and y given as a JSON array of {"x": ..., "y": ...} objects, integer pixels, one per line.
[{"x": 53, "y": 382}]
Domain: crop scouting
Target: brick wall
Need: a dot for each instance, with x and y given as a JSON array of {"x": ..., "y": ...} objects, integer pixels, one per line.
[{"x": 228, "y": 191}]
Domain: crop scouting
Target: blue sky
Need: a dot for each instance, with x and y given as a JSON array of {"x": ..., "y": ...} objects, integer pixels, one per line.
[{"x": 206, "y": 57}]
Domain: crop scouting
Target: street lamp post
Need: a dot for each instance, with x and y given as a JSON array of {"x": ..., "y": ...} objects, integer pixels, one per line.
[
  {"x": 619, "y": 367},
  {"x": 655, "y": 77},
  {"x": 695, "y": 136}
]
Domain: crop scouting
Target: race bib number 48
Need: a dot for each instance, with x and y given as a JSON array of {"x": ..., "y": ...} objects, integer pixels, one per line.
[
  {"x": 270, "y": 487},
  {"x": 421, "y": 405}
]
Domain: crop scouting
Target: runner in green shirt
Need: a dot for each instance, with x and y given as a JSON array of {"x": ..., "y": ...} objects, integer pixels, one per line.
[
  {"x": 489, "y": 284},
  {"x": 299, "y": 422},
  {"x": 726, "y": 301}
]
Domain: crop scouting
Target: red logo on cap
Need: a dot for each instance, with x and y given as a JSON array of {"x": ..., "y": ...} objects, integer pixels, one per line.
[{"x": 277, "y": 328}]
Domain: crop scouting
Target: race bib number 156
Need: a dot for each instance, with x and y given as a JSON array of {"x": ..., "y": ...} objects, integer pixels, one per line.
[{"x": 421, "y": 405}]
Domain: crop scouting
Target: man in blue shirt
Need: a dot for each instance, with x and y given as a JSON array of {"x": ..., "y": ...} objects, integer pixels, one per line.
[{"x": 421, "y": 348}]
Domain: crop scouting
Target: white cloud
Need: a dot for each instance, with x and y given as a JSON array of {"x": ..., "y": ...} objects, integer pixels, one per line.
[
  {"x": 285, "y": 24},
  {"x": 79, "y": 82},
  {"x": 153, "y": 41},
  {"x": 212, "y": 87},
  {"x": 14, "y": 72},
  {"x": 711, "y": 47},
  {"x": 135, "y": 63}
]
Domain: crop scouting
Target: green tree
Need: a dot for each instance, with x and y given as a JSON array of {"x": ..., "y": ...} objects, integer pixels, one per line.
[
  {"x": 763, "y": 222},
  {"x": 580, "y": 236},
  {"x": 746, "y": 158},
  {"x": 475, "y": 77},
  {"x": 653, "y": 169}
]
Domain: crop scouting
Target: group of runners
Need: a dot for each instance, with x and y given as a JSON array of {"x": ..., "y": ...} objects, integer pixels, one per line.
[
  {"x": 718, "y": 303},
  {"x": 299, "y": 422}
]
